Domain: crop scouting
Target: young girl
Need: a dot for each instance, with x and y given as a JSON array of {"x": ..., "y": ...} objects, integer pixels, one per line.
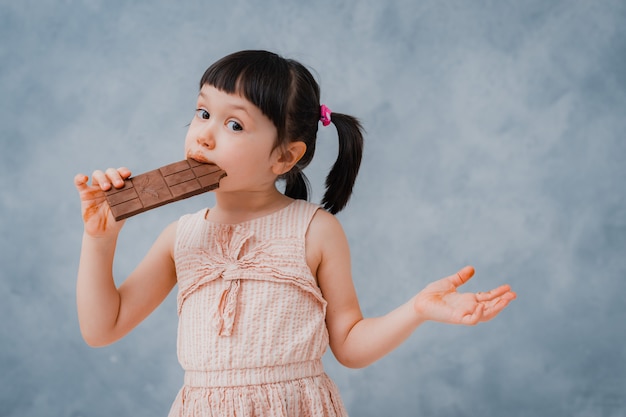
[{"x": 264, "y": 281}]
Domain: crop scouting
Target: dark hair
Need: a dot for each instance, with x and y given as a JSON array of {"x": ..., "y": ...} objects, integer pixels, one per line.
[{"x": 286, "y": 92}]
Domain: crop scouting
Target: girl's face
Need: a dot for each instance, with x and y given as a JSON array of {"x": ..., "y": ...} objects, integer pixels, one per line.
[{"x": 234, "y": 134}]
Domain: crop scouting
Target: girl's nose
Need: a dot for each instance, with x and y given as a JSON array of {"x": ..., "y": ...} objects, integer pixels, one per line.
[{"x": 206, "y": 138}]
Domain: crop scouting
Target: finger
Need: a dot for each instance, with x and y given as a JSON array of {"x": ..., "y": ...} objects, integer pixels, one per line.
[
  {"x": 462, "y": 276},
  {"x": 99, "y": 178},
  {"x": 495, "y": 293},
  {"x": 86, "y": 191},
  {"x": 475, "y": 317},
  {"x": 80, "y": 181},
  {"x": 115, "y": 177},
  {"x": 124, "y": 172},
  {"x": 493, "y": 309}
]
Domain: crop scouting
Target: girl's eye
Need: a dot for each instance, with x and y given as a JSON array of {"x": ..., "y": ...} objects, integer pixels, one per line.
[
  {"x": 233, "y": 125},
  {"x": 203, "y": 114}
]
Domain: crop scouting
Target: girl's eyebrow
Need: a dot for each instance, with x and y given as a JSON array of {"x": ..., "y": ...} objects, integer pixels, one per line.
[
  {"x": 201, "y": 94},
  {"x": 231, "y": 106}
]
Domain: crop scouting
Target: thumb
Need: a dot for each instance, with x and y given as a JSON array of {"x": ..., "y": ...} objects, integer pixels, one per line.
[{"x": 462, "y": 276}]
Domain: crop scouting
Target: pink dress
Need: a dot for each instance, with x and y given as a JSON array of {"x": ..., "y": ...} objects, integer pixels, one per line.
[{"x": 252, "y": 328}]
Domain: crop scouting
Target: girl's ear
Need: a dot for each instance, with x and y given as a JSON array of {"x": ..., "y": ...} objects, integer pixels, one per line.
[{"x": 288, "y": 156}]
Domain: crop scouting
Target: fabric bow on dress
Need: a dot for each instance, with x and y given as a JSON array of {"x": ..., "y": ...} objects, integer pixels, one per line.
[{"x": 235, "y": 258}]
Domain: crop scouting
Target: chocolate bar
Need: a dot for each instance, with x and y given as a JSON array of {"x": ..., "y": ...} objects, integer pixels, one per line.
[{"x": 173, "y": 182}]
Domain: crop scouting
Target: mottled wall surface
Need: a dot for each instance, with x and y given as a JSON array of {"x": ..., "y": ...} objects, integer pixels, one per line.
[{"x": 495, "y": 137}]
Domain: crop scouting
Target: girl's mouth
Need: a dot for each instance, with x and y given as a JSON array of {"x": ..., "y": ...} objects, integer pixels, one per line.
[{"x": 199, "y": 157}]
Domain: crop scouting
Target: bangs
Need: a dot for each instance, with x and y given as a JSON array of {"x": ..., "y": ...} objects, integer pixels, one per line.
[{"x": 263, "y": 78}]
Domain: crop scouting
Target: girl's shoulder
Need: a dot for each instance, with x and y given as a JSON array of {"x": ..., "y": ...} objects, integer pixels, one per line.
[
  {"x": 324, "y": 227},
  {"x": 191, "y": 219}
]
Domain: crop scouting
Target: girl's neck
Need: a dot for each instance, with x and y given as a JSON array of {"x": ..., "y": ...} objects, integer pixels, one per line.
[{"x": 238, "y": 207}]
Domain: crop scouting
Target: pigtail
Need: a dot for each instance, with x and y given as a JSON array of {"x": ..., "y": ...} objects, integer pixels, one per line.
[
  {"x": 341, "y": 178},
  {"x": 297, "y": 185}
]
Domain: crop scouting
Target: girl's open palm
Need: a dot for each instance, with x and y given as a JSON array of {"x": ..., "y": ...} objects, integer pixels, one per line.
[
  {"x": 97, "y": 216},
  {"x": 441, "y": 302}
]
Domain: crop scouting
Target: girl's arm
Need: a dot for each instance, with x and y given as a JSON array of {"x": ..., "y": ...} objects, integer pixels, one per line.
[
  {"x": 356, "y": 341},
  {"x": 107, "y": 313}
]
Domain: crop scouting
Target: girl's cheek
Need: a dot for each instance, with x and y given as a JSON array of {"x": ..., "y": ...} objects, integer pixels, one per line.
[{"x": 189, "y": 147}]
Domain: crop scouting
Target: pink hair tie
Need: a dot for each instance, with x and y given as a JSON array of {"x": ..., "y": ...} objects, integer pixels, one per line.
[{"x": 325, "y": 115}]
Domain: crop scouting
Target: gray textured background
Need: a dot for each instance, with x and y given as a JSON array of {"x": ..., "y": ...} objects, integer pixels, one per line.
[{"x": 495, "y": 136}]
